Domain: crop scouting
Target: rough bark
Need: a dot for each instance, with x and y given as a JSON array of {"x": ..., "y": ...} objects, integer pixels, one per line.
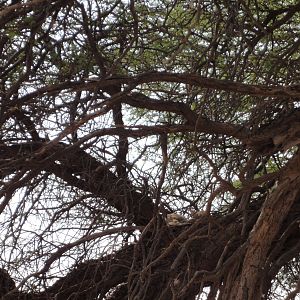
[{"x": 249, "y": 280}]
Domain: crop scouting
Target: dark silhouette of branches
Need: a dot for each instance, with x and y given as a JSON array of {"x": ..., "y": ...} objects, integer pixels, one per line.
[{"x": 149, "y": 150}]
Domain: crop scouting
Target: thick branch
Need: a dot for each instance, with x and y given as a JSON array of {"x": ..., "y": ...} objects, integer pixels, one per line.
[
  {"x": 274, "y": 211},
  {"x": 82, "y": 170},
  {"x": 151, "y": 77}
]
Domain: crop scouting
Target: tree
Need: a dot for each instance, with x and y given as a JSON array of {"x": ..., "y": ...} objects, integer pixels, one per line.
[{"x": 149, "y": 149}]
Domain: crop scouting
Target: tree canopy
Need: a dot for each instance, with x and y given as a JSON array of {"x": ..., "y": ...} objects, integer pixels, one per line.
[{"x": 149, "y": 149}]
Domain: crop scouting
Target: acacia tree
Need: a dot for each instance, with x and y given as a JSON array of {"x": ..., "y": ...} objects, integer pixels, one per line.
[{"x": 149, "y": 149}]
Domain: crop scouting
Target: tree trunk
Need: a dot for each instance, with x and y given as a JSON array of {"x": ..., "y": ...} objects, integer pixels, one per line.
[{"x": 251, "y": 272}]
